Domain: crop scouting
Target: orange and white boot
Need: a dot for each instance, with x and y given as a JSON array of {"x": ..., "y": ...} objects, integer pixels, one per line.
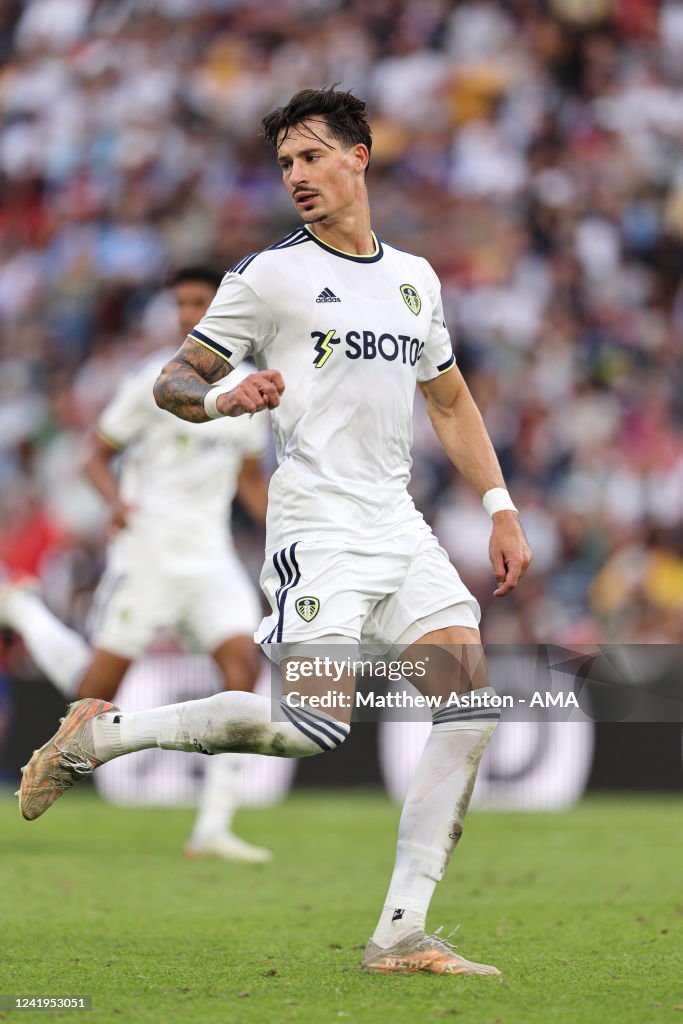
[
  {"x": 64, "y": 760},
  {"x": 428, "y": 954}
]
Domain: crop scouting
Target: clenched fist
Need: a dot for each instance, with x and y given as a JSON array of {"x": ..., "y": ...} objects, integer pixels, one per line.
[{"x": 256, "y": 392}]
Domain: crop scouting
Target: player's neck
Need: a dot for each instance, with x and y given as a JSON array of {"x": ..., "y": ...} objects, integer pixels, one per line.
[{"x": 350, "y": 233}]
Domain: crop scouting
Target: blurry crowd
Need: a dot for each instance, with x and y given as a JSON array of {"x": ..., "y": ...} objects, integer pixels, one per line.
[{"x": 532, "y": 150}]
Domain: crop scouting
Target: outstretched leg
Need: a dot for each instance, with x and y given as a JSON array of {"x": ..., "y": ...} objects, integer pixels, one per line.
[{"x": 234, "y": 722}]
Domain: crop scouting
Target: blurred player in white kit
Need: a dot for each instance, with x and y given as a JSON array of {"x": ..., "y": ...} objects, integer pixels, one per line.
[{"x": 171, "y": 561}]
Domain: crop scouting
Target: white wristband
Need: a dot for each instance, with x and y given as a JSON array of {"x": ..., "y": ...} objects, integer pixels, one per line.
[
  {"x": 497, "y": 499},
  {"x": 211, "y": 397}
]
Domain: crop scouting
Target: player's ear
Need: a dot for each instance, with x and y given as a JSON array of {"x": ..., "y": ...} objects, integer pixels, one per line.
[{"x": 361, "y": 158}]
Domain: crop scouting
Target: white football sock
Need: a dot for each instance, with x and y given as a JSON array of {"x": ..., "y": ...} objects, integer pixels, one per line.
[
  {"x": 219, "y": 797},
  {"x": 432, "y": 816},
  {"x": 230, "y": 722},
  {"x": 61, "y": 653}
]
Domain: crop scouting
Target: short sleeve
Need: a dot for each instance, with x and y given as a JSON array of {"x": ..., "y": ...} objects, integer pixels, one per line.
[
  {"x": 437, "y": 356},
  {"x": 128, "y": 412},
  {"x": 238, "y": 322}
]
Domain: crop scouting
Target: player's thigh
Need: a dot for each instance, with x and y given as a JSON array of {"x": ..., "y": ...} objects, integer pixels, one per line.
[
  {"x": 103, "y": 675},
  {"x": 239, "y": 662},
  {"x": 431, "y": 596},
  {"x": 448, "y": 660},
  {"x": 129, "y": 607}
]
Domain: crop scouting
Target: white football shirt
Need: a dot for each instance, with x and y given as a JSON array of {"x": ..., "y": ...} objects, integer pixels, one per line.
[
  {"x": 351, "y": 336},
  {"x": 180, "y": 478}
]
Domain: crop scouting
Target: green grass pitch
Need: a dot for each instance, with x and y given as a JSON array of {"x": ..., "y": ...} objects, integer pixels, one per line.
[{"x": 582, "y": 911}]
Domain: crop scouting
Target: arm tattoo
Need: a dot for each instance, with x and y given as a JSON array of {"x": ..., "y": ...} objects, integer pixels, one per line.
[{"x": 184, "y": 380}]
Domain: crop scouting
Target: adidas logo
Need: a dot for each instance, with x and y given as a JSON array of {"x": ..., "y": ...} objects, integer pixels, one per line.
[{"x": 327, "y": 295}]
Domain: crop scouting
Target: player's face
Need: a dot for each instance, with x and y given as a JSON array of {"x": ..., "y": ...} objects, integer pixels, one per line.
[
  {"x": 322, "y": 177},
  {"x": 193, "y": 298}
]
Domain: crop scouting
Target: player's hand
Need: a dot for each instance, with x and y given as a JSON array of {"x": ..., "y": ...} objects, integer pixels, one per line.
[
  {"x": 256, "y": 392},
  {"x": 120, "y": 514},
  {"x": 509, "y": 552}
]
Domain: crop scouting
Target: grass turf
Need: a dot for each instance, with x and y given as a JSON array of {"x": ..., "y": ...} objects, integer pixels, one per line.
[{"x": 582, "y": 911}]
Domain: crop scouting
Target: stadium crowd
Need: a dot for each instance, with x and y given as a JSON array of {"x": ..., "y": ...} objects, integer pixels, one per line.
[{"x": 531, "y": 150}]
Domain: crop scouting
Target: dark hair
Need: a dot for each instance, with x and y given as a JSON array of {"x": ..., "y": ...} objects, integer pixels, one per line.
[
  {"x": 344, "y": 114},
  {"x": 207, "y": 275}
]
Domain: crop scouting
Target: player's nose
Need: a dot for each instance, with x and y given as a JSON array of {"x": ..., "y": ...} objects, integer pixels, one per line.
[{"x": 298, "y": 175}]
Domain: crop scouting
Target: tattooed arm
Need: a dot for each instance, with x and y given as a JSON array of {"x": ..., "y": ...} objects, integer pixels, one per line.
[{"x": 185, "y": 380}]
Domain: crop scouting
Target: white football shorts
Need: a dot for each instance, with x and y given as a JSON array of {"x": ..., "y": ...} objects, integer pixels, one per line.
[
  {"x": 388, "y": 594},
  {"x": 210, "y": 604}
]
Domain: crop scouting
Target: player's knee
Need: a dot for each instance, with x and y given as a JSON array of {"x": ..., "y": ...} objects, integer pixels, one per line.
[{"x": 311, "y": 732}]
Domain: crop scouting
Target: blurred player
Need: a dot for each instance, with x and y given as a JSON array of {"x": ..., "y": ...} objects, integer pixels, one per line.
[
  {"x": 170, "y": 563},
  {"x": 352, "y": 324}
]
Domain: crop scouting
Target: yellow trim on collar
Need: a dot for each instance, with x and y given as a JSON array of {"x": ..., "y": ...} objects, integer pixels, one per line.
[{"x": 354, "y": 255}]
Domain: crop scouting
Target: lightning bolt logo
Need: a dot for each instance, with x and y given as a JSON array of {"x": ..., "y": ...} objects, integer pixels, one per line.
[{"x": 323, "y": 347}]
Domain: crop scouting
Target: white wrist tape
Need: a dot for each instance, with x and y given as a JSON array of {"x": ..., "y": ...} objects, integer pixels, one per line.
[
  {"x": 211, "y": 397},
  {"x": 497, "y": 499}
]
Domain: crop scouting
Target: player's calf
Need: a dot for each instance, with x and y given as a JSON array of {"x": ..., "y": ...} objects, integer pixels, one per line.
[{"x": 249, "y": 724}]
